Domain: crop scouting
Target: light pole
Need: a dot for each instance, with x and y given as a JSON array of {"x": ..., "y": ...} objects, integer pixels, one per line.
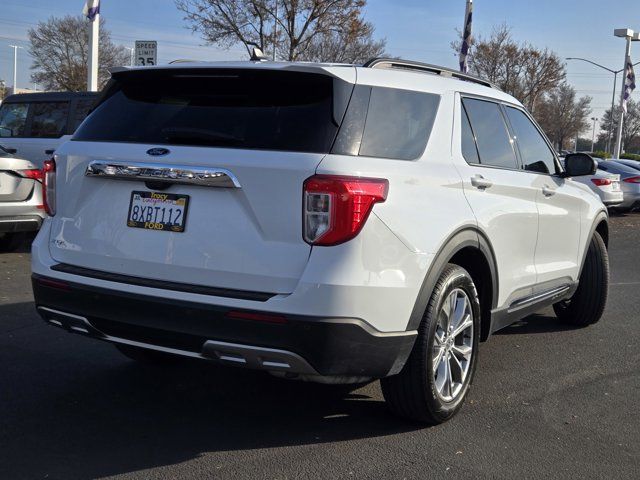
[
  {"x": 629, "y": 35},
  {"x": 613, "y": 95},
  {"x": 15, "y": 66},
  {"x": 131, "y": 50},
  {"x": 593, "y": 134}
]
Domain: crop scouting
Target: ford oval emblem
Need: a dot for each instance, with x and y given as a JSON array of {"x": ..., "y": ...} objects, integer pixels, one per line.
[{"x": 158, "y": 152}]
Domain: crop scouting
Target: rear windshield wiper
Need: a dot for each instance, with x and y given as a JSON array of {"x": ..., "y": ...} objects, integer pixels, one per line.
[{"x": 200, "y": 136}]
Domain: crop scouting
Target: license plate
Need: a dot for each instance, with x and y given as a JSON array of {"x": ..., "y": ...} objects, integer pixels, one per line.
[
  {"x": 615, "y": 186},
  {"x": 158, "y": 211}
]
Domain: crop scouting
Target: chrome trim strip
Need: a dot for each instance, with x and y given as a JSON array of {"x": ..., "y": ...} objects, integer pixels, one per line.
[
  {"x": 259, "y": 358},
  {"x": 160, "y": 172},
  {"x": 538, "y": 297}
]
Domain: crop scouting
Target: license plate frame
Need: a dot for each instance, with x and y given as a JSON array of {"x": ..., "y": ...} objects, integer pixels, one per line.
[{"x": 158, "y": 203}]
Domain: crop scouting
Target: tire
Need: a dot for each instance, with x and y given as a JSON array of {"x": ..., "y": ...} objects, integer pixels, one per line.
[
  {"x": 586, "y": 306},
  {"x": 149, "y": 357},
  {"x": 416, "y": 393},
  {"x": 10, "y": 242}
]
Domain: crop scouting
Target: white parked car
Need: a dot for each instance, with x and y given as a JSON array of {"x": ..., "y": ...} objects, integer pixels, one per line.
[
  {"x": 334, "y": 223},
  {"x": 603, "y": 184},
  {"x": 21, "y": 202}
]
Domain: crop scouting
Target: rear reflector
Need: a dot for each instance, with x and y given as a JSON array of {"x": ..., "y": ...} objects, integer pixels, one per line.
[
  {"x": 601, "y": 182},
  {"x": 336, "y": 207},
  {"x": 48, "y": 282},
  {"x": 257, "y": 317},
  {"x": 632, "y": 180}
]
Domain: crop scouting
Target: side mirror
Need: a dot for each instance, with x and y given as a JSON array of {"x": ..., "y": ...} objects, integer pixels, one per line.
[{"x": 579, "y": 164}]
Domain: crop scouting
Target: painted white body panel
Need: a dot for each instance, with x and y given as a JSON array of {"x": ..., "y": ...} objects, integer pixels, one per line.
[
  {"x": 33, "y": 149},
  {"x": 251, "y": 238}
]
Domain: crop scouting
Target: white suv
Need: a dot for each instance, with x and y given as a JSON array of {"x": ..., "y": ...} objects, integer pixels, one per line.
[{"x": 334, "y": 223}]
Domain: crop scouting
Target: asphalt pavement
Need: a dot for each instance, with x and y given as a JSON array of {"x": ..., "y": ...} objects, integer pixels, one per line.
[{"x": 547, "y": 402}]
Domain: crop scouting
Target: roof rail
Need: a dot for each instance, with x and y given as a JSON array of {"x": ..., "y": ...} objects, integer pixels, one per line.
[{"x": 427, "y": 68}]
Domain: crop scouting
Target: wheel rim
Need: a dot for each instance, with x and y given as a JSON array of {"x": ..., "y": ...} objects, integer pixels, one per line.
[{"x": 453, "y": 345}]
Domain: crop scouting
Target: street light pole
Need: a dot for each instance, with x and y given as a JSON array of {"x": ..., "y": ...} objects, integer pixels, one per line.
[
  {"x": 628, "y": 35},
  {"x": 131, "y": 50},
  {"x": 15, "y": 67},
  {"x": 593, "y": 133}
]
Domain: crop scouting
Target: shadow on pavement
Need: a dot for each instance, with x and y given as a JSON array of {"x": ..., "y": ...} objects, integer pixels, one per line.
[
  {"x": 537, "y": 323},
  {"x": 74, "y": 407}
]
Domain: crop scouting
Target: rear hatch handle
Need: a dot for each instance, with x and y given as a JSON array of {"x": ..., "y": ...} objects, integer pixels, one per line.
[{"x": 165, "y": 173}]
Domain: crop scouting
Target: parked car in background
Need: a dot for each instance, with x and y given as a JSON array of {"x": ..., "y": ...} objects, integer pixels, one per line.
[
  {"x": 33, "y": 125},
  {"x": 603, "y": 184},
  {"x": 635, "y": 164},
  {"x": 629, "y": 183},
  {"x": 21, "y": 200}
]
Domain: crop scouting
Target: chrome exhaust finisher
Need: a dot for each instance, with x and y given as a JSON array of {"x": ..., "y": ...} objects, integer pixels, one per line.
[{"x": 248, "y": 356}]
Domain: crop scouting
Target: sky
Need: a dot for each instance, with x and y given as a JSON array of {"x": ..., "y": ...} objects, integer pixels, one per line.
[{"x": 414, "y": 29}]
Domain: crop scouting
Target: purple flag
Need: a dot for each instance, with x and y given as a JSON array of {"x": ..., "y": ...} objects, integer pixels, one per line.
[
  {"x": 91, "y": 9},
  {"x": 466, "y": 36},
  {"x": 629, "y": 83}
]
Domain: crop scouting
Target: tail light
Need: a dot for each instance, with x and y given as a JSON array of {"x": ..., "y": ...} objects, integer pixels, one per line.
[
  {"x": 33, "y": 173},
  {"x": 601, "y": 182},
  {"x": 336, "y": 207},
  {"x": 49, "y": 186},
  {"x": 632, "y": 180}
]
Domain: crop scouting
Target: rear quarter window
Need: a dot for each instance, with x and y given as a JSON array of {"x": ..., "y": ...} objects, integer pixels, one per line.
[
  {"x": 13, "y": 119},
  {"x": 387, "y": 123}
]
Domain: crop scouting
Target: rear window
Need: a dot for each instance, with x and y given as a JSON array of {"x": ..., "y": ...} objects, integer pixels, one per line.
[
  {"x": 49, "y": 119},
  {"x": 249, "y": 109}
]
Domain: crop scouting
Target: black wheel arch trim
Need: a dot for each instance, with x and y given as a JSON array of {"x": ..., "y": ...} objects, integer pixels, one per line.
[
  {"x": 467, "y": 236},
  {"x": 600, "y": 217}
]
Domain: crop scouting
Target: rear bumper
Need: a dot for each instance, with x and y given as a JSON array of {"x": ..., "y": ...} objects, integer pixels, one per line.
[
  {"x": 20, "y": 223},
  {"x": 300, "y": 345}
]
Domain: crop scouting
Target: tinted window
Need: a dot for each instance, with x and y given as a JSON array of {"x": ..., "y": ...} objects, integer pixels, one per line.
[
  {"x": 13, "y": 117},
  {"x": 267, "y": 110},
  {"x": 535, "y": 153},
  {"x": 492, "y": 137},
  {"x": 83, "y": 106},
  {"x": 469, "y": 149},
  {"x": 49, "y": 119},
  {"x": 398, "y": 123}
]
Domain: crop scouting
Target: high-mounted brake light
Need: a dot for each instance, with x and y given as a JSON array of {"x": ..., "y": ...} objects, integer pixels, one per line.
[
  {"x": 49, "y": 186},
  {"x": 336, "y": 207},
  {"x": 632, "y": 180},
  {"x": 601, "y": 182}
]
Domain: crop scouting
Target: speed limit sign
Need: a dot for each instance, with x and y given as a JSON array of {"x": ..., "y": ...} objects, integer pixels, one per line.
[{"x": 146, "y": 52}]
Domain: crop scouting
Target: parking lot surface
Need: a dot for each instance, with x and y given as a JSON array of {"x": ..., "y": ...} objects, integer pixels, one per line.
[{"x": 547, "y": 401}]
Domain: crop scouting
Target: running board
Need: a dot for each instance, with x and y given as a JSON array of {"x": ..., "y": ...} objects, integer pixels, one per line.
[
  {"x": 249, "y": 356},
  {"x": 529, "y": 305}
]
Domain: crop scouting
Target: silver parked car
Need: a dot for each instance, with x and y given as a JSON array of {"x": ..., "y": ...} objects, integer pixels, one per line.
[
  {"x": 21, "y": 200},
  {"x": 605, "y": 185},
  {"x": 629, "y": 182}
]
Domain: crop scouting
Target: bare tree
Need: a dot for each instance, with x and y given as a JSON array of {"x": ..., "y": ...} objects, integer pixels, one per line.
[
  {"x": 60, "y": 48},
  {"x": 562, "y": 116},
  {"x": 630, "y": 129},
  {"x": 320, "y": 30},
  {"x": 522, "y": 70}
]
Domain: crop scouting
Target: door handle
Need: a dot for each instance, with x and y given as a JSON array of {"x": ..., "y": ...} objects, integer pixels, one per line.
[
  {"x": 548, "y": 191},
  {"x": 480, "y": 182},
  {"x": 49, "y": 151}
]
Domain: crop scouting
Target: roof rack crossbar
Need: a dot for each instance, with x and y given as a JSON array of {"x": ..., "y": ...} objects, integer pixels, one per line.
[{"x": 427, "y": 68}]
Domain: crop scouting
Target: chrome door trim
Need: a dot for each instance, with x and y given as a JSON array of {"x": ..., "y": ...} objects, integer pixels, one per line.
[
  {"x": 162, "y": 172},
  {"x": 539, "y": 297}
]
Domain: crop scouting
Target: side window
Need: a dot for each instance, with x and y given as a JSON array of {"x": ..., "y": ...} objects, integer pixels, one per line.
[
  {"x": 83, "y": 106},
  {"x": 13, "y": 118},
  {"x": 398, "y": 123},
  {"x": 492, "y": 136},
  {"x": 49, "y": 119},
  {"x": 469, "y": 149},
  {"x": 535, "y": 153}
]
